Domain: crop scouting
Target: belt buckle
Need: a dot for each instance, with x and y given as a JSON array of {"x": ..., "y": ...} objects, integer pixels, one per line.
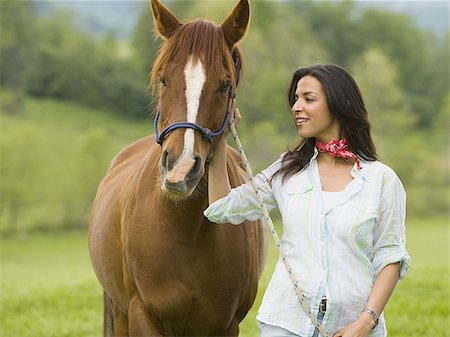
[{"x": 323, "y": 305}]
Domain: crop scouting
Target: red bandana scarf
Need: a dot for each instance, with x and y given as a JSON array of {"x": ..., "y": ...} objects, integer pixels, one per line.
[{"x": 338, "y": 148}]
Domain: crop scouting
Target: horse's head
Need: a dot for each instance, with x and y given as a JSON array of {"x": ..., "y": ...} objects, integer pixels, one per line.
[{"x": 197, "y": 74}]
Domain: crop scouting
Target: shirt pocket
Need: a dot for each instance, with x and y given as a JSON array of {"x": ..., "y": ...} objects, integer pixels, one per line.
[
  {"x": 298, "y": 199},
  {"x": 364, "y": 221}
]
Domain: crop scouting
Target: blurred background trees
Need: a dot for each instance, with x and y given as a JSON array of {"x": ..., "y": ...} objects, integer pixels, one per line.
[{"x": 57, "y": 73}]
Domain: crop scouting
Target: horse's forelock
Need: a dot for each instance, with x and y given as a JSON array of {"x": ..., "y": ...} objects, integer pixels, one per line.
[{"x": 202, "y": 40}]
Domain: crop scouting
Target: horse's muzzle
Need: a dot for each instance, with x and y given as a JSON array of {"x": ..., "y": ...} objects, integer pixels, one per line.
[{"x": 182, "y": 177}]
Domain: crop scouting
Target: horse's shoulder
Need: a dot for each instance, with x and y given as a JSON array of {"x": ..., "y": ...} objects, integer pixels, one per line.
[
  {"x": 234, "y": 158},
  {"x": 136, "y": 149},
  {"x": 235, "y": 168}
]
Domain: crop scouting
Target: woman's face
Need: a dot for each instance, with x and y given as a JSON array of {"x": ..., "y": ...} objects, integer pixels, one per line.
[{"x": 311, "y": 113}]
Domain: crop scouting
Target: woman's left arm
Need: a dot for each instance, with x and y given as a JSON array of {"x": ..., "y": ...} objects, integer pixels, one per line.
[
  {"x": 390, "y": 259},
  {"x": 381, "y": 292}
]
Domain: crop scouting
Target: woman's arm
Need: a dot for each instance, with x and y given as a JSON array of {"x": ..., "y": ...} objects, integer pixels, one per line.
[
  {"x": 381, "y": 292},
  {"x": 390, "y": 259},
  {"x": 382, "y": 289}
]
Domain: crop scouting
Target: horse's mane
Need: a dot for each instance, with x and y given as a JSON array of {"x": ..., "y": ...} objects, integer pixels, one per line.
[{"x": 203, "y": 40}]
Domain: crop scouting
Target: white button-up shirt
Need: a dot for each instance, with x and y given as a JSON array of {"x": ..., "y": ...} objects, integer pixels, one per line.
[{"x": 335, "y": 251}]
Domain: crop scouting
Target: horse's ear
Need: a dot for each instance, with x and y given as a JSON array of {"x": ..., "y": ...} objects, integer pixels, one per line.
[
  {"x": 235, "y": 26},
  {"x": 165, "y": 21}
]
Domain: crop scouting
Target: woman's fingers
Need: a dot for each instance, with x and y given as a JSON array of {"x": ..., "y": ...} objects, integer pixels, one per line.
[
  {"x": 237, "y": 117},
  {"x": 235, "y": 114}
]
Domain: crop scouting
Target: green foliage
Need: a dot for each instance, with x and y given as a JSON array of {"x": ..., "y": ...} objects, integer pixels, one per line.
[
  {"x": 144, "y": 41},
  {"x": 50, "y": 58},
  {"x": 52, "y": 160},
  {"x": 335, "y": 26},
  {"x": 18, "y": 186},
  {"x": 385, "y": 101},
  {"x": 48, "y": 287},
  {"x": 406, "y": 46},
  {"x": 18, "y": 42}
]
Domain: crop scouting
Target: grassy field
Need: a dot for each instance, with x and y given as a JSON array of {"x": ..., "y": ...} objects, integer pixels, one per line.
[{"x": 48, "y": 287}]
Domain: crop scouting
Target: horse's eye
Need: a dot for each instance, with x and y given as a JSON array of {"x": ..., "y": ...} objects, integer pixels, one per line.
[
  {"x": 162, "y": 80},
  {"x": 224, "y": 86}
]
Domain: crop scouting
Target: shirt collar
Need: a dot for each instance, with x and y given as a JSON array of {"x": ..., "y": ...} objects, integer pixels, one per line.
[
  {"x": 315, "y": 154},
  {"x": 363, "y": 172}
]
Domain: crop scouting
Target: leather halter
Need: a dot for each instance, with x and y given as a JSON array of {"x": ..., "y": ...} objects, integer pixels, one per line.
[{"x": 206, "y": 133}]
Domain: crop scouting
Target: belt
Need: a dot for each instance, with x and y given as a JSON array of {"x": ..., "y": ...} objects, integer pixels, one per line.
[{"x": 323, "y": 305}]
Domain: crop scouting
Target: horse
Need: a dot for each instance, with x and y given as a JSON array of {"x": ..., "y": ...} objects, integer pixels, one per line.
[{"x": 164, "y": 268}]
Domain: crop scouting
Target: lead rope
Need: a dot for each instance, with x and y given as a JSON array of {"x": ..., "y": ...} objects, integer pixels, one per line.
[{"x": 301, "y": 297}]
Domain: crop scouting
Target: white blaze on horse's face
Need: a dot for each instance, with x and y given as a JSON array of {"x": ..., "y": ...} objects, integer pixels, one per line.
[
  {"x": 195, "y": 78},
  {"x": 194, "y": 75}
]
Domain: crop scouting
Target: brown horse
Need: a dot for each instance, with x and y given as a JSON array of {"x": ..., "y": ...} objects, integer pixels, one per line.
[{"x": 165, "y": 269}]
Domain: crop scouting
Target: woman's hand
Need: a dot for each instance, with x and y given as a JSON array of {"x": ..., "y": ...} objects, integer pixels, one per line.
[
  {"x": 359, "y": 328},
  {"x": 381, "y": 291}
]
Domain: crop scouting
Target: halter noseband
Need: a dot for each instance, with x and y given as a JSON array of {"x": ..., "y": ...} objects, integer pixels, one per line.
[{"x": 206, "y": 133}]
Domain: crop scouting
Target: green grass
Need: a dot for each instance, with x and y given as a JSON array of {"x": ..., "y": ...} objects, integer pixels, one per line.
[{"x": 48, "y": 287}]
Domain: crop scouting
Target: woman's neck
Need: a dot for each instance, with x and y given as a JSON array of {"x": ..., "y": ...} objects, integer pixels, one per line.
[{"x": 325, "y": 158}]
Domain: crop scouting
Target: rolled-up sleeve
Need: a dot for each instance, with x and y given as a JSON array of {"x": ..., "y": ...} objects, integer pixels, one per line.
[
  {"x": 390, "y": 242},
  {"x": 241, "y": 203}
]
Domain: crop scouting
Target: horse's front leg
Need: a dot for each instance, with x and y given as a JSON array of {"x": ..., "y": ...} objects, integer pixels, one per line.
[
  {"x": 120, "y": 322},
  {"x": 140, "y": 323}
]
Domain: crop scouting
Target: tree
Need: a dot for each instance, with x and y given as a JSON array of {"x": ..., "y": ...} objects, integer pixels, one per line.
[
  {"x": 436, "y": 80},
  {"x": 334, "y": 24},
  {"x": 405, "y": 45},
  {"x": 17, "y": 46},
  {"x": 144, "y": 41},
  {"x": 400, "y": 142},
  {"x": 385, "y": 101}
]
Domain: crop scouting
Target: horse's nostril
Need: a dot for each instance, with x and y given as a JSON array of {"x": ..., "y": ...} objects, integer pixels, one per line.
[
  {"x": 197, "y": 166},
  {"x": 165, "y": 160}
]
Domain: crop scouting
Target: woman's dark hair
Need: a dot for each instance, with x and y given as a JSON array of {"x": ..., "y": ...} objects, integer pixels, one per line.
[{"x": 345, "y": 103}]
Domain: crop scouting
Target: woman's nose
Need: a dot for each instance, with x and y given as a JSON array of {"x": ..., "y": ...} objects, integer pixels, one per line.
[{"x": 297, "y": 107}]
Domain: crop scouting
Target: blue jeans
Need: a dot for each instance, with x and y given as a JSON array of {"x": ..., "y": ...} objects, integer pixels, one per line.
[
  {"x": 320, "y": 319},
  {"x": 267, "y": 330}
]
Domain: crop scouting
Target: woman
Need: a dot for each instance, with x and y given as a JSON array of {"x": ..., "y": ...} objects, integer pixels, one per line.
[{"x": 343, "y": 213}]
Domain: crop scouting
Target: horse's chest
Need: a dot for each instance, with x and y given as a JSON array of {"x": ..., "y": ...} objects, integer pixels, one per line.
[{"x": 178, "y": 286}]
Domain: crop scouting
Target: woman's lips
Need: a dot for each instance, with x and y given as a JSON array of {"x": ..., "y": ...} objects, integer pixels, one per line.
[{"x": 301, "y": 120}]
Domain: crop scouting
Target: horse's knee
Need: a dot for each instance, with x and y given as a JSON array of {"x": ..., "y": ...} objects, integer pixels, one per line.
[{"x": 140, "y": 322}]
